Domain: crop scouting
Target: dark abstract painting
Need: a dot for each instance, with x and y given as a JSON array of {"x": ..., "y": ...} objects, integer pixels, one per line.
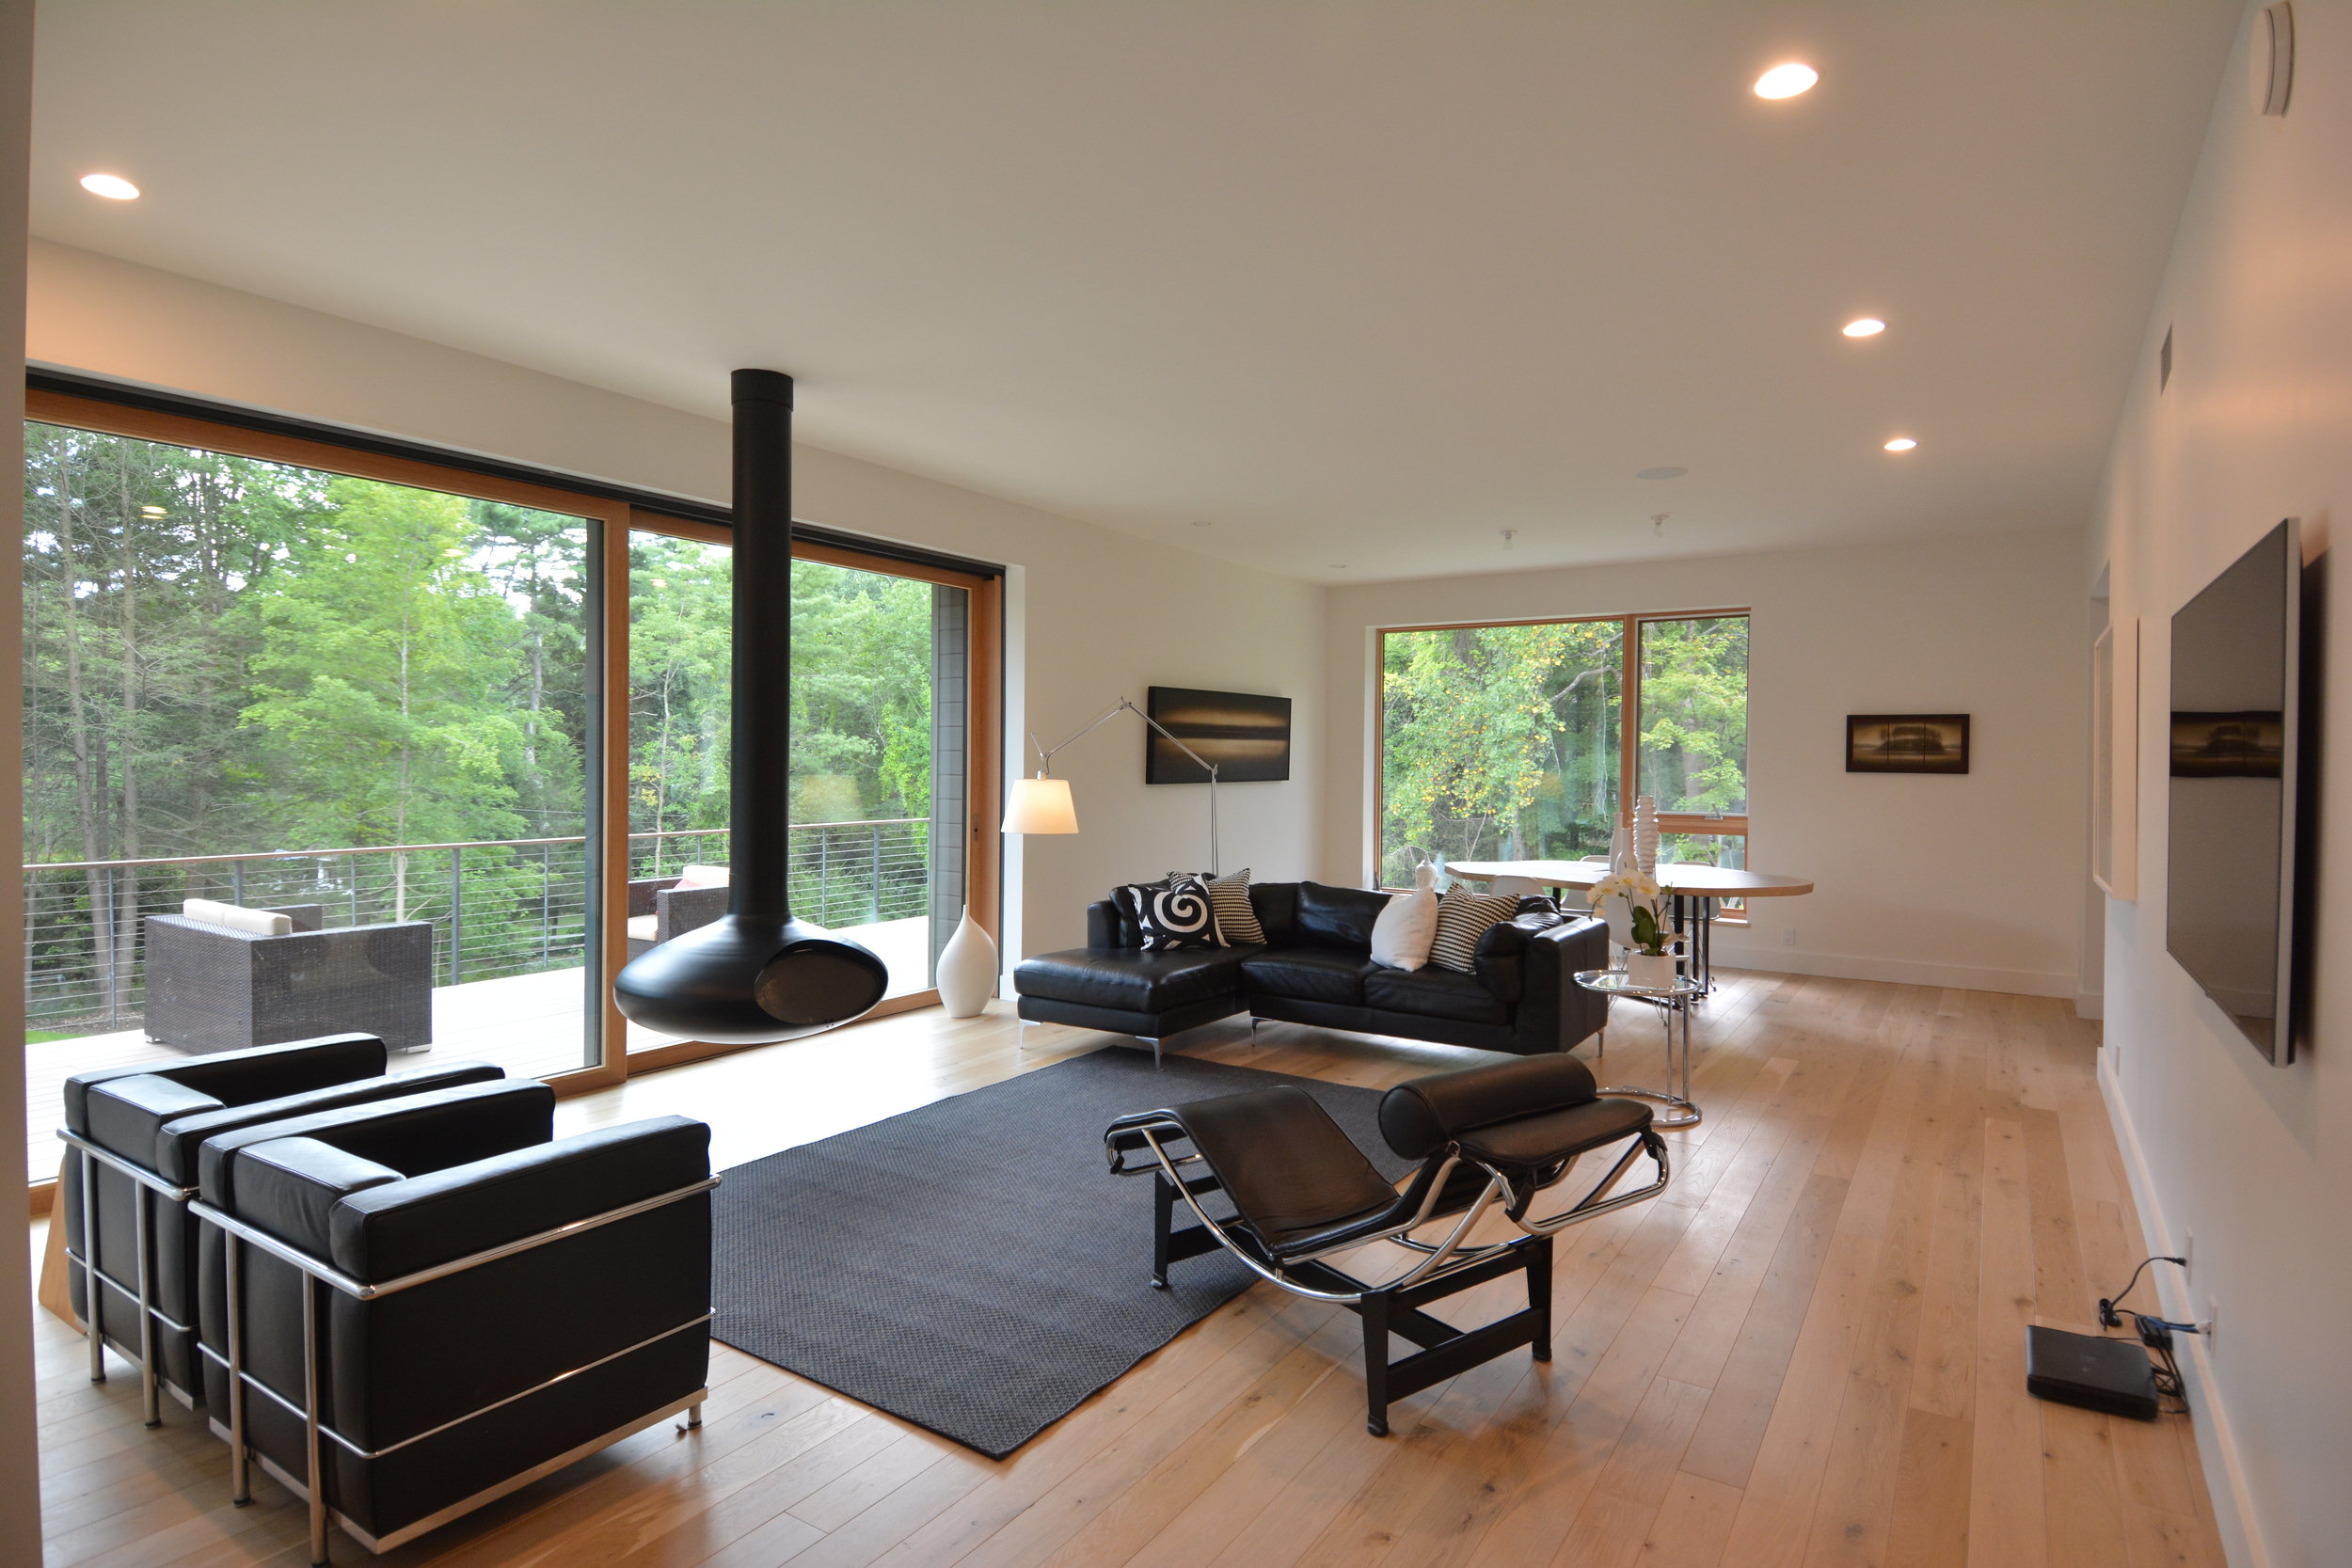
[{"x": 1248, "y": 737}]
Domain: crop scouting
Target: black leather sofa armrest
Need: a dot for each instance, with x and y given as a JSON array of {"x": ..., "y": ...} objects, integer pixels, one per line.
[
  {"x": 237, "y": 1077},
  {"x": 414, "y": 1134},
  {"x": 1554, "y": 1012},
  {"x": 388, "y": 1231},
  {"x": 177, "y": 1144},
  {"x": 124, "y": 1115},
  {"x": 1498, "y": 961},
  {"x": 1104, "y": 928},
  {"x": 289, "y": 1187}
]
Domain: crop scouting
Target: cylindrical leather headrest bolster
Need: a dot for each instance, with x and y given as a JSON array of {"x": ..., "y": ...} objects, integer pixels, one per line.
[{"x": 1421, "y": 1117}]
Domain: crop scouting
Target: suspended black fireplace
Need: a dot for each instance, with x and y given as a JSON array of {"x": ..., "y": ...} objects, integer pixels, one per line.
[{"x": 758, "y": 975}]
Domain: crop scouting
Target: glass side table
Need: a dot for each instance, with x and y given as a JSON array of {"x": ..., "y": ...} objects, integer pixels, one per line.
[{"x": 1673, "y": 1005}]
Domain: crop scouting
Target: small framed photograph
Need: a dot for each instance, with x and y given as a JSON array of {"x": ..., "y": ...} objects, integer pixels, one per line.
[{"x": 1906, "y": 743}]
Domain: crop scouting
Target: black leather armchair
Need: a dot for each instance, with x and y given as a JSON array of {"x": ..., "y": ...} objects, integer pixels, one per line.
[
  {"x": 133, "y": 1133},
  {"x": 427, "y": 1303}
]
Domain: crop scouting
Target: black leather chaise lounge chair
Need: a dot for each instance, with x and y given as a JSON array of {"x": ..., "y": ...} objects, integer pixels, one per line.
[{"x": 1489, "y": 1139}]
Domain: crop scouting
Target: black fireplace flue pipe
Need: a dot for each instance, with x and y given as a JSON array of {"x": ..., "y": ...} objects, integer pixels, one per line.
[{"x": 757, "y": 974}]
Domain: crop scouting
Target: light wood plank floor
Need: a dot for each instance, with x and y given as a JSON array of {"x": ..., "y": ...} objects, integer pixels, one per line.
[{"x": 1810, "y": 1351}]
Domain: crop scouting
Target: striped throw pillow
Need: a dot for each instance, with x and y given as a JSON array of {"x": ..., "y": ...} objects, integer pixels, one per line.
[
  {"x": 1236, "y": 919},
  {"x": 1462, "y": 919}
]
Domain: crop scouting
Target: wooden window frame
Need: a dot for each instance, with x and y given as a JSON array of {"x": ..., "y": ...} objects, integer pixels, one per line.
[{"x": 1629, "y": 724}]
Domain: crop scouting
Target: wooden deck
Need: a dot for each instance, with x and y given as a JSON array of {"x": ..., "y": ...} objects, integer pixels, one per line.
[
  {"x": 530, "y": 1024},
  {"x": 1809, "y": 1351}
]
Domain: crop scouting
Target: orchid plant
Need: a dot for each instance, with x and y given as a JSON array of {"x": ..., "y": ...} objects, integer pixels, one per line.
[{"x": 1635, "y": 907}]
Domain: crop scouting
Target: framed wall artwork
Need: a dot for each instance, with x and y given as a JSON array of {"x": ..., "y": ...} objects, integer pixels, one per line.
[
  {"x": 2115, "y": 758},
  {"x": 1248, "y": 736},
  {"x": 1906, "y": 743}
]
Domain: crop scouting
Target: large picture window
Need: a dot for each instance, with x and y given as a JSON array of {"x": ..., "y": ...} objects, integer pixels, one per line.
[
  {"x": 1528, "y": 741},
  {"x": 461, "y": 734}
]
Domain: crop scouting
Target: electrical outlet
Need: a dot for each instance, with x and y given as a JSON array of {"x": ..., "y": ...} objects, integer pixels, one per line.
[
  {"x": 2213, "y": 1314},
  {"x": 2188, "y": 1257},
  {"x": 1789, "y": 936}
]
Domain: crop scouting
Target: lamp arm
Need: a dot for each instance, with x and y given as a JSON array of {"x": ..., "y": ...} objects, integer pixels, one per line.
[{"x": 1045, "y": 757}]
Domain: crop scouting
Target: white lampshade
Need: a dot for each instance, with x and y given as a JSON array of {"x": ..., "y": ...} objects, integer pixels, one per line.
[{"x": 1040, "y": 806}]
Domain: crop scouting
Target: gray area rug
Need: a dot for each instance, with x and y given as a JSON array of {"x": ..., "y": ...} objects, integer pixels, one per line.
[{"x": 973, "y": 1266}]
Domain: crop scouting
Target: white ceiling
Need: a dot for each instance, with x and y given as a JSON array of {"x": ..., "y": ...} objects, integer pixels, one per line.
[{"x": 1359, "y": 283}]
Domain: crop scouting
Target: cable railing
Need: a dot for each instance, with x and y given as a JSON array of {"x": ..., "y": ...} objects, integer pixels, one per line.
[{"x": 498, "y": 906}]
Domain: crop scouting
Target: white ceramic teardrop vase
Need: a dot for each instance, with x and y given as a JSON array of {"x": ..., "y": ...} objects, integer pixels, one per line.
[{"x": 967, "y": 969}]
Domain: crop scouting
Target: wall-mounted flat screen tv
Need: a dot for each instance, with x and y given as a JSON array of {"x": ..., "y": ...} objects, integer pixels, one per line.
[{"x": 2230, "y": 892}]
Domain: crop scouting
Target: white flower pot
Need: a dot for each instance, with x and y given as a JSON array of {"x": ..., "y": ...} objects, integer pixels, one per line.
[
  {"x": 1650, "y": 971},
  {"x": 967, "y": 969}
]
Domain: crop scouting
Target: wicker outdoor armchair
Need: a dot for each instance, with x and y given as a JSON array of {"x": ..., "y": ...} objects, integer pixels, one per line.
[
  {"x": 659, "y": 910},
  {"x": 213, "y": 989}
]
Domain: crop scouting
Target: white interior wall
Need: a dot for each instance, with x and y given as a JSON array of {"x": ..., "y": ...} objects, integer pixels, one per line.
[
  {"x": 2251, "y": 1160},
  {"x": 20, "y": 1472},
  {"x": 1971, "y": 881},
  {"x": 1092, "y": 615}
]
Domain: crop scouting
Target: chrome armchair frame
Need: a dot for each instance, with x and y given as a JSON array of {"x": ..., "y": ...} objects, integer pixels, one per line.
[
  {"x": 144, "y": 1183},
  {"x": 236, "y": 1235}
]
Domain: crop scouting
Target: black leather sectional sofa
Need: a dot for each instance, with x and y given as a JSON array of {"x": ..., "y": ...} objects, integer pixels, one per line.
[{"x": 1316, "y": 968}]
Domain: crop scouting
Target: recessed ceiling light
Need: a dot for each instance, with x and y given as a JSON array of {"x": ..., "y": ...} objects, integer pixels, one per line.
[
  {"x": 1662, "y": 473},
  {"x": 1864, "y": 326},
  {"x": 1902, "y": 443},
  {"x": 1338, "y": 566},
  {"x": 113, "y": 187},
  {"x": 1786, "y": 81},
  {"x": 1200, "y": 522}
]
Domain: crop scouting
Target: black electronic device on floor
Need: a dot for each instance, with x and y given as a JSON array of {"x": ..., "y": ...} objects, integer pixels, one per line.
[{"x": 2113, "y": 1376}]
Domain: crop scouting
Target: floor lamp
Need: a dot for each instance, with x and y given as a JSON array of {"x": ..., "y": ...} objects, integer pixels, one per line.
[{"x": 1043, "y": 805}]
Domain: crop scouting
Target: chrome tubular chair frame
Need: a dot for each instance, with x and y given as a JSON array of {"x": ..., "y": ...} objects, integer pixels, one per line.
[
  {"x": 81, "y": 1253},
  {"x": 237, "y": 1235}
]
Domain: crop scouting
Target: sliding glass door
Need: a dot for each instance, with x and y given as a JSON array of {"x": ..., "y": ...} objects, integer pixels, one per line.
[
  {"x": 355, "y": 708},
  {"x": 882, "y": 707}
]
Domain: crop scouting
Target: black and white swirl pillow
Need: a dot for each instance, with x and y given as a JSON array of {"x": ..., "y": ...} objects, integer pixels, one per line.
[{"x": 1173, "y": 915}]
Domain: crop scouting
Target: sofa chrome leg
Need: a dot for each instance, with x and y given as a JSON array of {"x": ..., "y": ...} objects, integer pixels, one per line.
[
  {"x": 1152, "y": 1040},
  {"x": 694, "y": 1417}
]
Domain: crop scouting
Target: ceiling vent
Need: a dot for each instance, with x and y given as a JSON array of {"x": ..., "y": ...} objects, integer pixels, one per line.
[{"x": 2270, "y": 61}]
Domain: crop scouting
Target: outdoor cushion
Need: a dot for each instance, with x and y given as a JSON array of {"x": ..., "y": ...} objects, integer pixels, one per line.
[{"x": 1308, "y": 975}]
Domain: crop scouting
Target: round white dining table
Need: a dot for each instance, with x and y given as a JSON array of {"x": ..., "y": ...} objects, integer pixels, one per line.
[{"x": 1694, "y": 887}]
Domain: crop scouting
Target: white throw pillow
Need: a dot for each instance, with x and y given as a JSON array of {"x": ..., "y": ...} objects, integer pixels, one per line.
[
  {"x": 1401, "y": 936},
  {"x": 261, "y": 923},
  {"x": 702, "y": 876}
]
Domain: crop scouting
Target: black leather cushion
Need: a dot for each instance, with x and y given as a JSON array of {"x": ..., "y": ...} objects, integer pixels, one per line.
[
  {"x": 415, "y": 1133},
  {"x": 1421, "y": 1114},
  {"x": 289, "y": 1186},
  {"x": 1277, "y": 907},
  {"x": 177, "y": 1145},
  {"x": 236, "y": 1077},
  {"x": 1533, "y": 1145},
  {"x": 125, "y": 1114},
  {"x": 1434, "y": 994},
  {"x": 1289, "y": 1171},
  {"x": 1308, "y": 974},
  {"x": 1338, "y": 917},
  {"x": 1129, "y": 979},
  {"x": 455, "y": 1212}
]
